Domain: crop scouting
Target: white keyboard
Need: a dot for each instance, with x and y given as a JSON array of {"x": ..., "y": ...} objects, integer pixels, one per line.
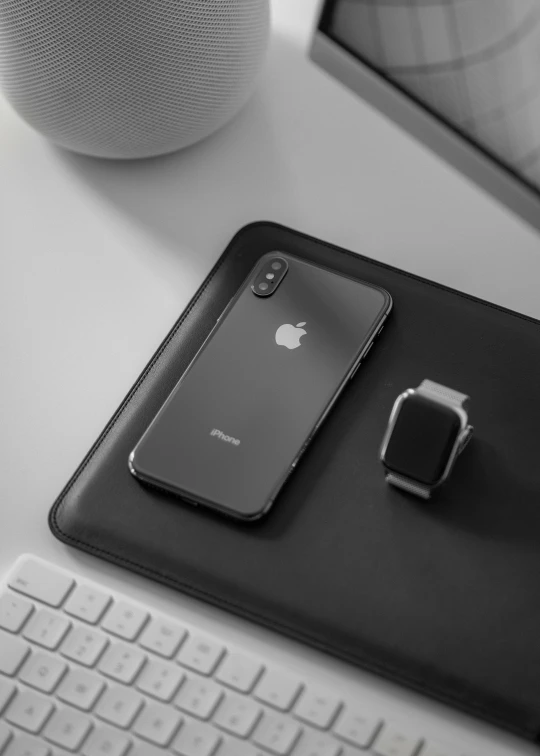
[{"x": 85, "y": 671}]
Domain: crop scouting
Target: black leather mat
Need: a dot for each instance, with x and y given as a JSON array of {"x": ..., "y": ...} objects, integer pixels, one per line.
[{"x": 441, "y": 596}]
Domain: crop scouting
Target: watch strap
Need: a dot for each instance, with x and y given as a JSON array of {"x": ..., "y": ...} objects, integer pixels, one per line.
[
  {"x": 411, "y": 486},
  {"x": 442, "y": 393}
]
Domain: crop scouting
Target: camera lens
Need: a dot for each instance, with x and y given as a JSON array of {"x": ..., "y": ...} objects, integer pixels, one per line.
[
  {"x": 263, "y": 286},
  {"x": 270, "y": 276},
  {"x": 276, "y": 265}
]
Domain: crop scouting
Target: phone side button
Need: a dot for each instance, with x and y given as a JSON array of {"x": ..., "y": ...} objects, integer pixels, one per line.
[
  {"x": 354, "y": 372},
  {"x": 362, "y": 358}
]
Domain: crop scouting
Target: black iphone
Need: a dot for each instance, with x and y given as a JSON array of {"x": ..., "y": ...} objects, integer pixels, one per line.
[{"x": 239, "y": 418}]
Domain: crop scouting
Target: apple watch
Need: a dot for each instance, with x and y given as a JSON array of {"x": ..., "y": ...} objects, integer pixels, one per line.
[{"x": 428, "y": 429}]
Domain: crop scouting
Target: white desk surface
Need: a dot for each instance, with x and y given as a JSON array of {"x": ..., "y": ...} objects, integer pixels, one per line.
[{"x": 98, "y": 259}]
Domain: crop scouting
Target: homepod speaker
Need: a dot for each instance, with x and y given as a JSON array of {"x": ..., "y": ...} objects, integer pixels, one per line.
[{"x": 130, "y": 78}]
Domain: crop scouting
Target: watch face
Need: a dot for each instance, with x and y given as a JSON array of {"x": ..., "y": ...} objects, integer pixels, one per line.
[{"x": 422, "y": 440}]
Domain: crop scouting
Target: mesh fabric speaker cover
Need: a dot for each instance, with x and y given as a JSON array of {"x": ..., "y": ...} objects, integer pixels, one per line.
[{"x": 130, "y": 78}]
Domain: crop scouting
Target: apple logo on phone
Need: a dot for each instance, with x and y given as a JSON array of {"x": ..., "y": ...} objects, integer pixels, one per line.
[{"x": 289, "y": 336}]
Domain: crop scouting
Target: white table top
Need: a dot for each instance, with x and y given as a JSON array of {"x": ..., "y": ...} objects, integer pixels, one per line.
[{"x": 98, "y": 259}]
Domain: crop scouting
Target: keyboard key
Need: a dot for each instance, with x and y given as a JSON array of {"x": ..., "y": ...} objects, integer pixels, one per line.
[
  {"x": 5, "y": 735},
  {"x": 357, "y": 728},
  {"x": 119, "y": 706},
  {"x": 237, "y": 715},
  {"x": 125, "y": 620},
  {"x": 143, "y": 749},
  {"x": 104, "y": 741},
  {"x": 43, "y": 672},
  {"x": 84, "y": 645},
  {"x": 394, "y": 742},
  {"x": 7, "y": 689},
  {"x": 122, "y": 663},
  {"x": 199, "y": 697},
  {"x": 200, "y": 654},
  {"x": 163, "y": 637},
  {"x": 203, "y": 712},
  {"x": 12, "y": 653},
  {"x": 46, "y": 629},
  {"x": 196, "y": 739},
  {"x": 81, "y": 689},
  {"x": 23, "y": 745},
  {"x": 239, "y": 672},
  {"x": 317, "y": 744},
  {"x": 317, "y": 708},
  {"x": 87, "y": 604},
  {"x": 276, "y": 734},
  {"x": 29, "y": 711},
  {"x": 160, "y": 680},
  {"x": 277, "y": 690},
  {"x": 437, "y": 749},
  {"x": 238, "y": 748},
  {"x": 157, "y": 724},
  {"x": 67, "y": 729},
  {"x": 14, "y": 611},
  {"x": 41, "y": 582}
]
